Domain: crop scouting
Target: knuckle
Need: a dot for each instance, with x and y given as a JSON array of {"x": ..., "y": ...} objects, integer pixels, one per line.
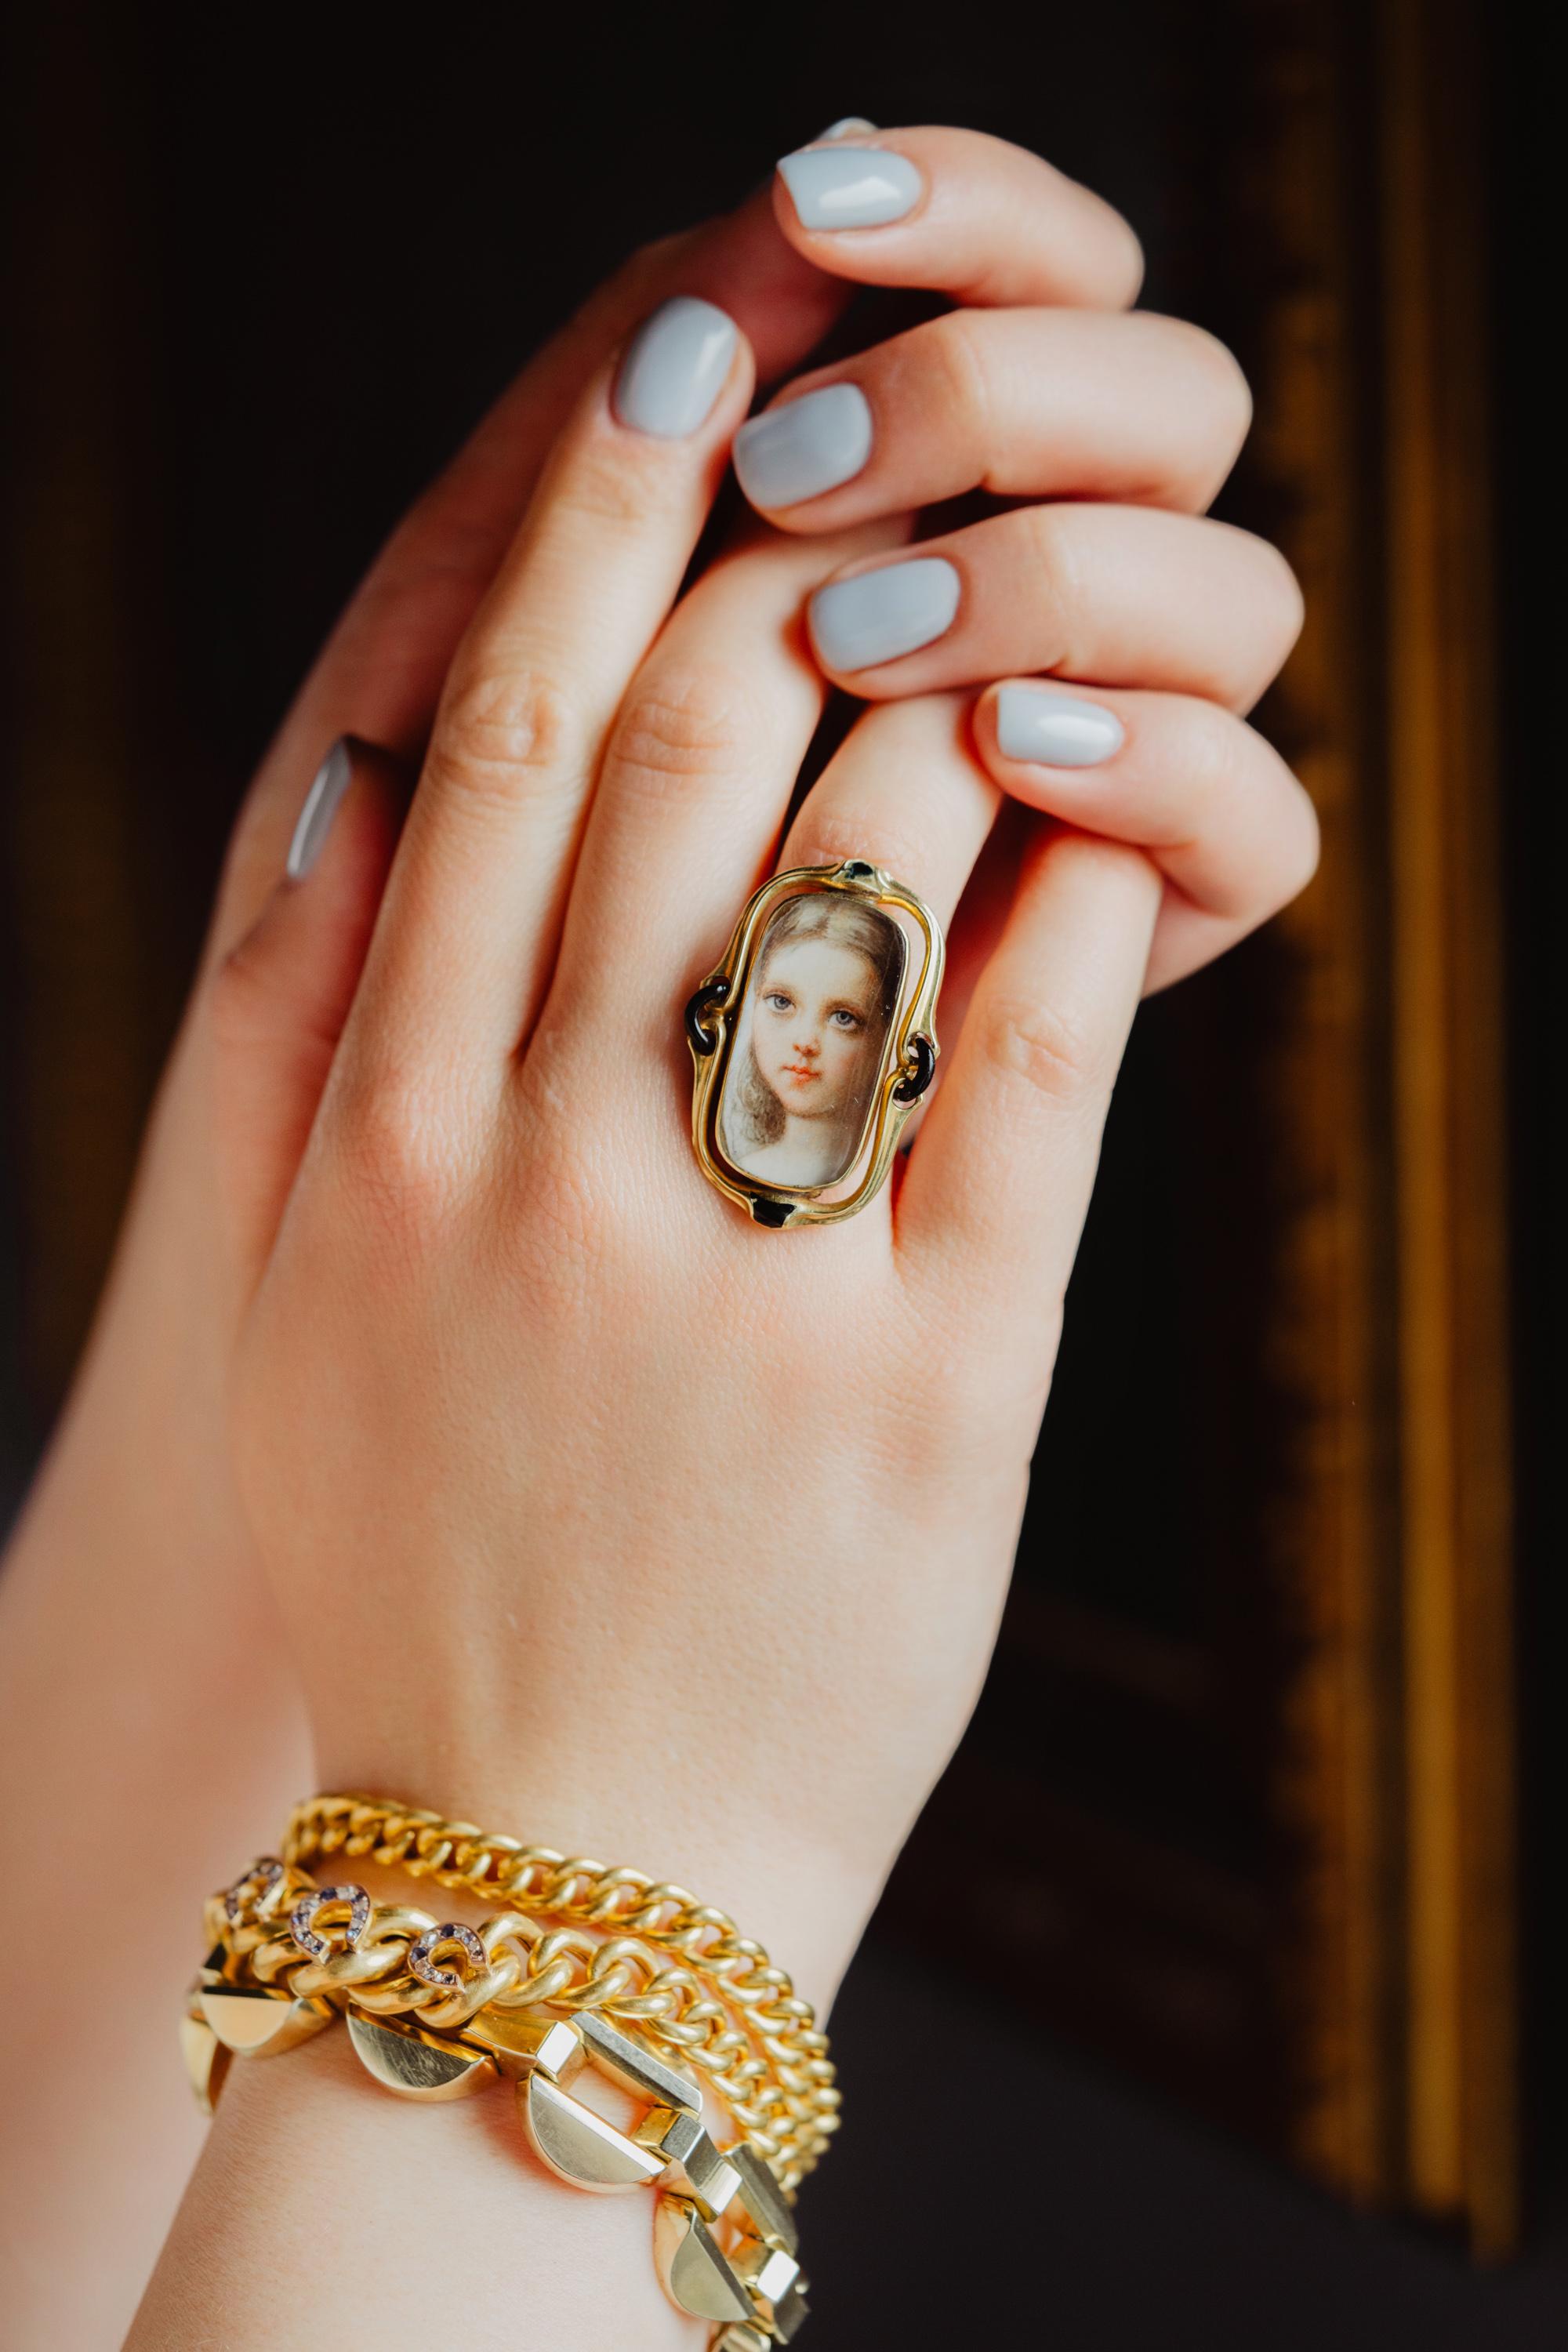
[
  {"x": 836, "y": 832},
  {"x": 242, "y": 1000},
  {"x": 1053, "y": 558},
  {"x": 500, "y": 735},
  {"x": 395, "y": 1152},
  {"x": 1041, "y": 1044},
  {"x": 613, "y": 484},
  {"x": 954, "y": 345},
  {"x": 1208, "y": 748},
  {"x": 681, "y": 726}
]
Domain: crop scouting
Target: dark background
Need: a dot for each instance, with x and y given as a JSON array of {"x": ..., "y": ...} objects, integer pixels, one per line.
[{"x": 270, "y": 267}]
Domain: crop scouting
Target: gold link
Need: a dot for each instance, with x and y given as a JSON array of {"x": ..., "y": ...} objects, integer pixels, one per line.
[
  {"x": 790, "y": 2314},
  {"x": 254, "y": 2023},
  {"x": 764, "y": 2200},
  {"x": 548, "y": 2043},
  {"x": 577, "y": 2143},
  {"x": 770, "y": 2278},
  {"x": 692, "y": 2270},
  {"x": 206, "y": 2059},
  {"x": 417, "y": 2065},
  {"x": 696, "y": 2168},
  {"x": 635, "y": 2068}
]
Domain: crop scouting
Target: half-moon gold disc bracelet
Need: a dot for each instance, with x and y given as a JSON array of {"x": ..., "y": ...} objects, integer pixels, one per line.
[{"x": 578, "y": 1967}]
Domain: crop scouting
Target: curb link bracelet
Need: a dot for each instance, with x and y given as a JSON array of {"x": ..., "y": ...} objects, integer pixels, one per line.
[
  {"x": 799, "y": 2115},
  {"x": 435, "y": 2009}
]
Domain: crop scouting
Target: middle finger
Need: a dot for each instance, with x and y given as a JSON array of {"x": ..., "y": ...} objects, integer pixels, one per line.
[{"x": 1084, "y": 404}]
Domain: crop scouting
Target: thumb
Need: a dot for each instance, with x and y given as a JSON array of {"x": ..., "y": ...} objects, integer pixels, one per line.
[{"x": 278, "y": 1002}]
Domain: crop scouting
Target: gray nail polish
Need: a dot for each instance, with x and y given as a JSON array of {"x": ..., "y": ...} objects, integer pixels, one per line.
[
  {"x": 330, "y": 784},
  {"x": 850, "y": 187},
  {"x": 842, "y": 128},
  {"x": 809, "y": 446},
  {"x": 675, "y": 367},
  {"x": 1054, "y": 729},
  {"x": 877, "y": 615}
]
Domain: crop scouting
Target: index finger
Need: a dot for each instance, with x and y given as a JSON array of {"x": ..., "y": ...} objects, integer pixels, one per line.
[{"x": 958, "y": 212}]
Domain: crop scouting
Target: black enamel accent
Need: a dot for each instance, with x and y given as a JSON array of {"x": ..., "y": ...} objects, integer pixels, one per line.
[
  {"x": 713, "y": 992},
  {"x": 771, "y": 1212},
  {"x": 855, "y": 870},
  {"x": 911, "y": 1090}
]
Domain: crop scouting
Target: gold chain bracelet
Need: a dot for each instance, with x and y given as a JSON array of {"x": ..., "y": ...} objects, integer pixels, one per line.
[
  {"x": 509, "y": 1964},
  {"x": 725, "y": 2246},
  {"x": 539, "y": 1882}
]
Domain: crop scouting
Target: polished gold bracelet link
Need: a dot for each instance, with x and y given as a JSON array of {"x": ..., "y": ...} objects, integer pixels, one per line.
[{"x": 724, "y": 2240}]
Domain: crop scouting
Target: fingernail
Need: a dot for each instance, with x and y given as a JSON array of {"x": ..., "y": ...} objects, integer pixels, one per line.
[
  {"x": 850, "y": 187},
  {"x": 1032, "y": 724},
  {"x": 675, "y": 367},
  {"x": 841, "y": 129},
  {"x": 809, "y": 446},
  {"x": 330, "y": 784},
  {"x": 877, "y": 615}
]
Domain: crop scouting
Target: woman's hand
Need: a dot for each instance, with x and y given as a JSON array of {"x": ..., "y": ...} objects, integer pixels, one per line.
[{"x": 594, "y": 1509}]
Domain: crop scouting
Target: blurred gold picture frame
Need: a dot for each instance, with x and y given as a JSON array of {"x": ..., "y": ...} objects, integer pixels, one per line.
[{"x": 905, "y": 1058}]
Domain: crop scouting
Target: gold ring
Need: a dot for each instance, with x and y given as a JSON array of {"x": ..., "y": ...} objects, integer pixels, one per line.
[{"x": 812, "y": 1042}]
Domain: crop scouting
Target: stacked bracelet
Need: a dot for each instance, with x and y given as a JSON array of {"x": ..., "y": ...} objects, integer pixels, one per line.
[
  {"x": 789, "y": 2111},
  {"x": 437, "y": 2009}
]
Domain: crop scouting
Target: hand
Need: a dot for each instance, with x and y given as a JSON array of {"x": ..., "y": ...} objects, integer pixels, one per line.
[{"x": 595, "y": 1510}]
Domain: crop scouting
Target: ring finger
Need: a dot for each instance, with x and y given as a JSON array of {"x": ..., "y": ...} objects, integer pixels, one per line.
[
  {"x": 1118, "y": 596},
  {"x": 905, "y": 792}
]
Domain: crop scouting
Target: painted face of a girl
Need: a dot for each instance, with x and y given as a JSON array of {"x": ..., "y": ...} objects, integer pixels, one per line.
[{"x": 815, "y": 1025}]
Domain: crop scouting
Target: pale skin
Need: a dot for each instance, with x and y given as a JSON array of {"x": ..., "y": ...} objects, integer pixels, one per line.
[
  {"x": 813, "y": 1032},
  {"x": 409, "y": 1452}
]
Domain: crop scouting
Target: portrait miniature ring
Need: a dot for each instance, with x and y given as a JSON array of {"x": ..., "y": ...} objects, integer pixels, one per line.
[{"x": 812, "y": 1041}]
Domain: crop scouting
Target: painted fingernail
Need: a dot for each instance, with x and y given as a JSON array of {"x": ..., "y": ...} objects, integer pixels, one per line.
[
  {"x": 842, "y": 128},
  {"x": 1052, "y": 729},
  {"x": 809, "y": 446},
  {"x": 877, "y": 615},
  {"x": 850, "y": 187},
  {"x": 331, "y": 782},
  {"x": 675, "y": 367}
]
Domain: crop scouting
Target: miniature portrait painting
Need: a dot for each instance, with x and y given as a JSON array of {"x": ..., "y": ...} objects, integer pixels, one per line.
[{"x": 813, "y": 1027}]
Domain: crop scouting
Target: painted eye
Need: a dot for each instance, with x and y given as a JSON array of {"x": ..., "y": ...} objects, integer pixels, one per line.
[
  {"x": 846, "y": 1019},
  {"x": 777, "y": 1002}
]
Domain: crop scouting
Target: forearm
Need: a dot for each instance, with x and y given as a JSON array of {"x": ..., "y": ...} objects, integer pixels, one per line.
[{"x": 147, "y": 1723}]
